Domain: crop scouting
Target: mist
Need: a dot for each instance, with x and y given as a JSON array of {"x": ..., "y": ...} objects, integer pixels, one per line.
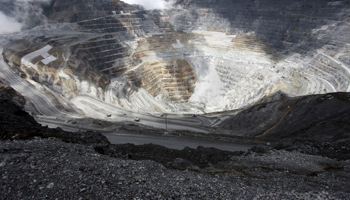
[
  {"x": 17, "y": 15},
  {"x": 8, "y": 25},
  {"x": 152, "y": 4}
]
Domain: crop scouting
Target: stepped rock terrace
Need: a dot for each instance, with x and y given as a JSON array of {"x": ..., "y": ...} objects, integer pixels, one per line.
[{"x": 203, "y": 56}]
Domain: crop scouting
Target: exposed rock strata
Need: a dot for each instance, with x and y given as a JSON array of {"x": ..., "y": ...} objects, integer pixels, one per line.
[
  {"x": 17, "y": 124},
  {"x": 238, "y": 52},
  {"x": 51, "y": 168}
]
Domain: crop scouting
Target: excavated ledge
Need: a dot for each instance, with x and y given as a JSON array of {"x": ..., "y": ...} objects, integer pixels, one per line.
[
  {"x": 37, "y": 165},
  {"x": 237, "y": 52}
]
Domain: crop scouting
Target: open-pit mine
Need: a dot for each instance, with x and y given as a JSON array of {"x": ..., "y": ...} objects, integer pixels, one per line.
[
  {"x": 112, "y": 61},
  {"x": 202, "y": 99}
]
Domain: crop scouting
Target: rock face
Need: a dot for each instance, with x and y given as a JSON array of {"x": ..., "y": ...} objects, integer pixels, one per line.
[
  {"x": 204, "y": 55},
  {"x": 316, "y": 117},
  {"x": 17, "y": 124}
]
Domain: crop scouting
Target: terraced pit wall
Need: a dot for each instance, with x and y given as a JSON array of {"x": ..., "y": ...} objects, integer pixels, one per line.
[{"x": 207, "y": 56}]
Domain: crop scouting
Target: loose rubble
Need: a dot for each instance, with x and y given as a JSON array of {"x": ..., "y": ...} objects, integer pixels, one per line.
[{"x": 50, "y": 169}]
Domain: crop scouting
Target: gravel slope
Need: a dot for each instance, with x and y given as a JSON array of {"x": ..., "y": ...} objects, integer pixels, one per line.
[{"x": 52, "y": 169}]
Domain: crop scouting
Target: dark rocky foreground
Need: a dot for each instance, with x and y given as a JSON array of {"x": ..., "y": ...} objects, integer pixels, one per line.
[
  {"x": 41, "y": 163},
  {"x": 51, "y": 169}
]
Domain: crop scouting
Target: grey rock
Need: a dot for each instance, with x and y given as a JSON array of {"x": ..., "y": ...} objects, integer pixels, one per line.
[{"x": 50, "y": 185}]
